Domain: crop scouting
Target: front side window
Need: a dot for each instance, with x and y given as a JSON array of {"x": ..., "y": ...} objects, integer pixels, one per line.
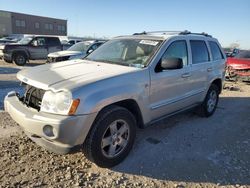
[
  {"x": 215, "y": 50},
  {"x": 177, "y": 49},
  {"x": 199, "y": 51},
  {"x": 127, "y": 52},
  {"x": 38, "y": 42}
]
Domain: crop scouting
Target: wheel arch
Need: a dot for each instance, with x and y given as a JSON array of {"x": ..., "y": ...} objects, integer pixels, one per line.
[
  {"x": 132, "y": 106},
  {"x": 218, "y": 83},
  {"x": 20, "y": 52}
]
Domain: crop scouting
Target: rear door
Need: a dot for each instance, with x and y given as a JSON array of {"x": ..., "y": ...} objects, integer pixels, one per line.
[
  {"x": 38, "y": 48},
  {"x": 54, "y": 44},
  {"x": 201, "y": 68}
]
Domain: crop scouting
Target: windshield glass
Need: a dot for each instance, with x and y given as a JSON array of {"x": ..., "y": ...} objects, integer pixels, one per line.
[
  {"x": 128, "y": 52},
  {"x": 25, "y": 40},
  {"x": 243, "y": 55},
  {"x": 80, "y": 46}
]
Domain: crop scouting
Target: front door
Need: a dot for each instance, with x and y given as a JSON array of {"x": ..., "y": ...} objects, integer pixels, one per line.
[
  {"x": 169, "y": 91},
  {"x": 38, "y": 48}
]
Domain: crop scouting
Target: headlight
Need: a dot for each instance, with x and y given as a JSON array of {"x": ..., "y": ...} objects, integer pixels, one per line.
[{"x": 59, "y": 103}]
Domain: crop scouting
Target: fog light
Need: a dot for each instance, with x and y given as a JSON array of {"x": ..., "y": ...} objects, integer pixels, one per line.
[{"x": 48, "y": 131}]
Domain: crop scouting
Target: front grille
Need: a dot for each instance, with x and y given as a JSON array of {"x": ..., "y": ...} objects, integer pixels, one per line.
[
  {"x": 33, "y": 97},
  {"x": 57, "y": 59}
]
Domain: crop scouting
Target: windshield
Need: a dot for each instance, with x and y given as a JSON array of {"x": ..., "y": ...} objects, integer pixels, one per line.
[
  {"x": 243, "y": 55},
  {"x": 25, "y": 40},
  {"x": 81, "y": 46},
  {"x": 128, "y": 52}
]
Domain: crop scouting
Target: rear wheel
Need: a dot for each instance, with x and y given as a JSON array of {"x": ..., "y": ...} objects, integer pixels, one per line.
[
  {"x": 209, "y": 104},
  {"x": 20, "y": 59},
  {"x": 111, "y": 137}
]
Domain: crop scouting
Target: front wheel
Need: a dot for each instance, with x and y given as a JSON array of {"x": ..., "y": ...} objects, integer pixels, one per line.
[
  {"x": 111, "y": 137},
  {"x": 20, "y": 59},
  {"x": 209, "y": 104}
]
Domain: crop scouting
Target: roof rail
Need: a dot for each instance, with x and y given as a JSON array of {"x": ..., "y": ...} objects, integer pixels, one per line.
[
  {"x": 188, "y": 32},
  {"x": 158, "y": 32}
]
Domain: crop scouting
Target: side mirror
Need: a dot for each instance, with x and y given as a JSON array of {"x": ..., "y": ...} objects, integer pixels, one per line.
[
  {"x": 171, "y": 63},
  {"x": 89, "y": 51}
]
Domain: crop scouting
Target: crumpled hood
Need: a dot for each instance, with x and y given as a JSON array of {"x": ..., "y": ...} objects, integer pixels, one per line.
[
  {"x": 70, "y": 74},
  {"x": 65, "y": 53}
]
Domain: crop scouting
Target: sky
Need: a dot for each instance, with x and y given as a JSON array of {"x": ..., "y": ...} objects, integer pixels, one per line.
[{"x": 227, "y": 20}]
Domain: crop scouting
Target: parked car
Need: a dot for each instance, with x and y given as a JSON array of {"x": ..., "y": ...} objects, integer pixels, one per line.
[
  {"x": 238, "y": 67},
  {"x": 78, "y": 50},
  {"x": 128, "y": 82},
  {"x": 74, "y": 41},
  {"x": 31, "y": 48}
]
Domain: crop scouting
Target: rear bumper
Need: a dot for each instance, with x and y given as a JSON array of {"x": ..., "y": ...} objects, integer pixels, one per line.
[{"x": 68, "y": 131}]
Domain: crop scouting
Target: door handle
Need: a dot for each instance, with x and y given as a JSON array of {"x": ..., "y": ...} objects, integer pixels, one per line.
[
  {"x": 186, "y": 75},
  {"x": 209, "y": 69}
]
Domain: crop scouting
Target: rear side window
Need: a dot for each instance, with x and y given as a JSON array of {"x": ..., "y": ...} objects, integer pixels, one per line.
[
  {"x": 199, "y": 51},
  {"x": 215, "y": 50},
  {"x": 53, "y": 41}
]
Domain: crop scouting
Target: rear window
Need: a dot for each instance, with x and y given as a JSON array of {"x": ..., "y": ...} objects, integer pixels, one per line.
[
  {"x": 215, "y": 50},
  {"x": 199, "y": 51}
]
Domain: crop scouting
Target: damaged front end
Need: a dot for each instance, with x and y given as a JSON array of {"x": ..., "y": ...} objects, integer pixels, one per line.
[{"x": 238, "y": 73}]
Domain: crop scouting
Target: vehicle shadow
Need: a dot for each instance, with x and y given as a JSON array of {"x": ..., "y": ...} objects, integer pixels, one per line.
[
  {"x": 188, "y": 148},
  {"x": 35, "y": 63},
  {"x": 8, "y": 70}
]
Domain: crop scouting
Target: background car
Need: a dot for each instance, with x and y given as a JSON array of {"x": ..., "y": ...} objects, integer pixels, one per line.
[
  {"x": 78, "y": 50},
  {"x": 238, "y": 67},
  {"x": 8, "y": 40}
]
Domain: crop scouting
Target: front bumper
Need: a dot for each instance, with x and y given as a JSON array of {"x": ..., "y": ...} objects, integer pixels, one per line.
[
  {"x": 68, "y": 131},
  {"x": 7, "y": 57}
]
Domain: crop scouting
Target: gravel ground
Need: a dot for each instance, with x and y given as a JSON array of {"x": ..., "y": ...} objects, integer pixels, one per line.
[{"x": 182, "y": 151}]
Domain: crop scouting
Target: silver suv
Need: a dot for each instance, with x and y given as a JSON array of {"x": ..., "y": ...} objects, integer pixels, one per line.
[{"x": 128, "y": 82}]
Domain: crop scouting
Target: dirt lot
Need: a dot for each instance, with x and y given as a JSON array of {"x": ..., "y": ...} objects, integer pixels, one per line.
[{"x": 182, "y": 151}]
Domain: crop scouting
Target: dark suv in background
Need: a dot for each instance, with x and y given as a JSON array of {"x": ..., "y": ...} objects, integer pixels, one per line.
[{"x": 31, "y": 48}]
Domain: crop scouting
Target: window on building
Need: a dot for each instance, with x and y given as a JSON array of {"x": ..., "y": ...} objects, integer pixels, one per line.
[
  {"x": 63, "y": 28},
  {"x": 37, "y": 25},
  {"x": 23, "y": 23},
  {"x": 59, "y": 28},
  {"x": 47, "y": 26},
  {"x": 20, "y": 23},
  {"x": 50, "y": 27}
]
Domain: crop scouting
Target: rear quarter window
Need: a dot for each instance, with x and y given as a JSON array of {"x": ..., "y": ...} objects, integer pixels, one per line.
[
  {"x": 199, "y": 51},
  {"x": 215, "y": 50}
]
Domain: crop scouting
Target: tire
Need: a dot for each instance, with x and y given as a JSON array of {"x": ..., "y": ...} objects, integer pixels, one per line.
[
  {"x": 20, "y": 59},
  {"x": 209, "y": 105},
  {"x": 106, "y": 145}
]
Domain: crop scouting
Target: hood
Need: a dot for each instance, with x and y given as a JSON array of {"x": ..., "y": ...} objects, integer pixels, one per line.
[
  {"x": 1, "y": 47},
  {"x": 65, "y": 53},
  {"x": 70, "y": 74},
  {"x": 238, "y": 63},
  {"x": 14, "y": 45}
]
